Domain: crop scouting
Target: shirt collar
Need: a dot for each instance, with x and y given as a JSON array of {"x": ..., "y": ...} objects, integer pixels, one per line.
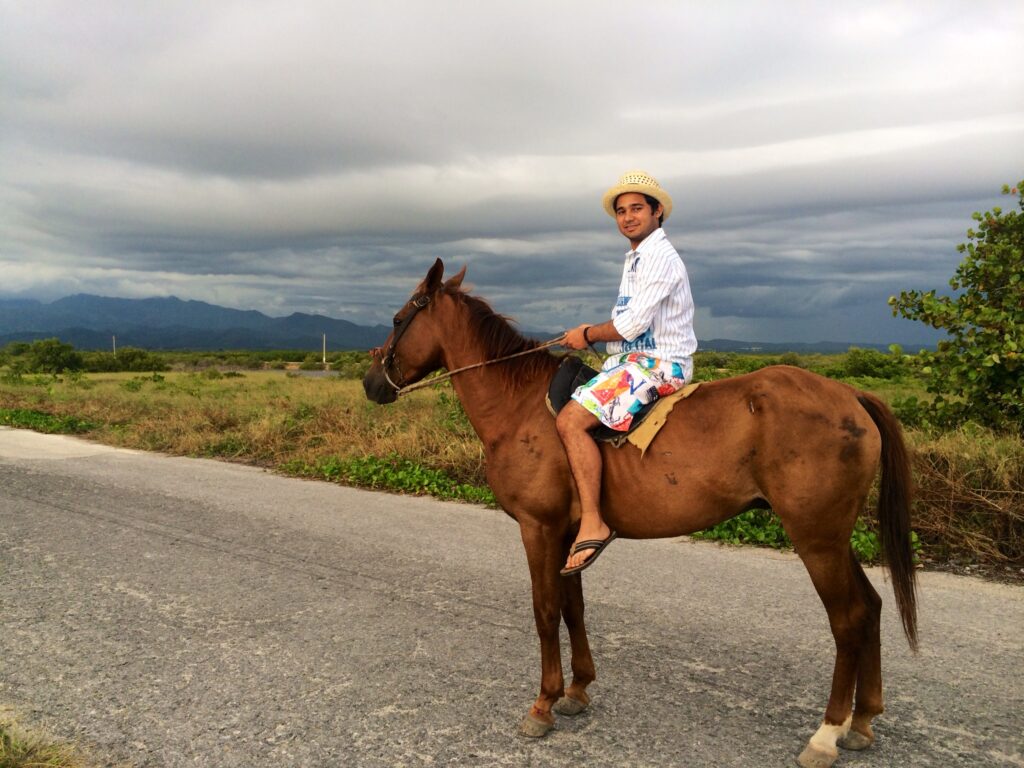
[{"x": 651, "y": 239}]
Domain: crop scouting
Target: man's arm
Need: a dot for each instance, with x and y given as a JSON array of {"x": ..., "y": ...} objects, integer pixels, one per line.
[{"x": 605, "y": 331}]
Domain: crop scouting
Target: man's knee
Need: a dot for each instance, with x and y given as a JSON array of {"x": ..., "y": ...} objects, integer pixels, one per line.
[{"x": 574, "y": 419}]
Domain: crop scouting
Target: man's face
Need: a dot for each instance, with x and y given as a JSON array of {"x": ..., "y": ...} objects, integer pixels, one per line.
[{"x": 635, "y": 218}]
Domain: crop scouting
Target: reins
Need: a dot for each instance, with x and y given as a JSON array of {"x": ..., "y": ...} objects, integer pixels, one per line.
[
  {"x": 449, "y": 374},
  {"x": 389, "y": 358}
]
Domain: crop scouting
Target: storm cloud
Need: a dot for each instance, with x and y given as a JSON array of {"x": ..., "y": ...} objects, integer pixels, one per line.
[{"x": 317, "y": 156}]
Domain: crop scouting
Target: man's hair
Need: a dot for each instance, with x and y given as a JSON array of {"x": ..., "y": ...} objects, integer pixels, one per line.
[
  {"x": 654, "y": 203},
  {"x": 651, "y": 201}
]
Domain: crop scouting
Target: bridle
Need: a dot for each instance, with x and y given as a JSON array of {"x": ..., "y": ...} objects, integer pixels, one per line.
[
  {"x": 390, "y": 359},
  {"x": 417, "y": 303}
]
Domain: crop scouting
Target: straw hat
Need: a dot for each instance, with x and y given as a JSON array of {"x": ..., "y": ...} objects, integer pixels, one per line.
[{"x": 637, "y": 181}]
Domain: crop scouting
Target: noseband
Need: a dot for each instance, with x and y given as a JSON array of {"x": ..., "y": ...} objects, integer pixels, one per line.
[{"x": 389, "y": 360}]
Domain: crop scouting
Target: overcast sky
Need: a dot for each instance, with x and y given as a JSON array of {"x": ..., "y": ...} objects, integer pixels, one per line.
[{"x": 317, "y": 156}]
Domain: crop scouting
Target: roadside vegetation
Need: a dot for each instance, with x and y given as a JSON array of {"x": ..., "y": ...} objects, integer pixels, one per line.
[{"x": 21, "y": 747}]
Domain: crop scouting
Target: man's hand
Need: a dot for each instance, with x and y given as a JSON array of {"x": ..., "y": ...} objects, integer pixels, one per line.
[{"x": 573, "y": 339}]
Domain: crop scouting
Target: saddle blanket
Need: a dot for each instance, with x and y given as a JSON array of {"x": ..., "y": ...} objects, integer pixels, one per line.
[{"x": 573, "y": 373}]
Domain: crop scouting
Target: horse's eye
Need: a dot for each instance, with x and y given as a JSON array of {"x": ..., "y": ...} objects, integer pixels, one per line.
[{"x": 396, "y": 321}]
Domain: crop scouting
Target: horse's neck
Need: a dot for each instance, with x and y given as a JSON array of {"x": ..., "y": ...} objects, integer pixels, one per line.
[{"x": 495, "y": 409}]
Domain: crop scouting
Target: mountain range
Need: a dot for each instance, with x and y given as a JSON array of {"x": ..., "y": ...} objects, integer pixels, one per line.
[{"x": 90, "y": 322}]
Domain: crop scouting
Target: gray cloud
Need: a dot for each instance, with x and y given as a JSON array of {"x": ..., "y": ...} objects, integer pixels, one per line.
[{"x": 318, "y": 156}]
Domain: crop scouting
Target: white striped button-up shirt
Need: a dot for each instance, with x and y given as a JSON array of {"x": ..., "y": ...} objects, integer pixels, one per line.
[{"x": 654, "y": 311}]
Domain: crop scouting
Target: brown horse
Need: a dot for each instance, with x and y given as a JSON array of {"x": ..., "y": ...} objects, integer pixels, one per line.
[{"x": 805, "y": 445}]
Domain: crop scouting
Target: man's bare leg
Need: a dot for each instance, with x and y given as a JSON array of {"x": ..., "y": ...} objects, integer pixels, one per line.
[{"x": 574, "y": 423}]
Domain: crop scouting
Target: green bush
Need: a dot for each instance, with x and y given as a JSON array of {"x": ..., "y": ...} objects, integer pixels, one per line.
[
  {"x": 351, "y": 365},
  {"x": 871, "y": 362},
  {"x": 977, "y": 373},
  {"x": 763, "y": 528},
  {"x": 395, "y": 473},
  {"x": 53, "y": 356},
  {"x": 127, "y": 359},
  {"x": 44, "y": 422}
]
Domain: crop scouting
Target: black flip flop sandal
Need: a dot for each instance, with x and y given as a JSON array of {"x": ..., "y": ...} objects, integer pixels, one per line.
[{"x": 597, "y": 545}]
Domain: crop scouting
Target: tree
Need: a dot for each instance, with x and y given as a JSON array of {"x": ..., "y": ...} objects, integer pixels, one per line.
[
  {"x": 53, "y": 356},
  {"x": 977, "y": 373}
]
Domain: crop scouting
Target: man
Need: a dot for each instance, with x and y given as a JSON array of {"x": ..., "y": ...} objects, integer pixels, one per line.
[{"x": 650, "y": 345}]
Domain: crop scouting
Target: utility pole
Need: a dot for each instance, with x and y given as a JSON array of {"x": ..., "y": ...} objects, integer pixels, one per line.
[
  {"x": 113, "y": 341},
  {"x": 325, "y": 352}
]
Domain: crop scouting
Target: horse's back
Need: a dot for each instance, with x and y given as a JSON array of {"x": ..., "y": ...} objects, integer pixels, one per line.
[{"x": 771, "y": 437}]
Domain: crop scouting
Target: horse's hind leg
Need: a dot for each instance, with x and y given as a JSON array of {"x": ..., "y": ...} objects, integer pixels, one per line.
[
  {"x": 576, "y": 699},
  {"x": 850, "y": 615},
  {"x": 869, "y": 670}
]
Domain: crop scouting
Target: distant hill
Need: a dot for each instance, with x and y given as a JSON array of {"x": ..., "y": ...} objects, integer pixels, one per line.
[{"x": 88, "y": 322}]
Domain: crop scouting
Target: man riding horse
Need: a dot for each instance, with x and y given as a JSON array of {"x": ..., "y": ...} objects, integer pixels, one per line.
[{"x": 650, "y": 344}]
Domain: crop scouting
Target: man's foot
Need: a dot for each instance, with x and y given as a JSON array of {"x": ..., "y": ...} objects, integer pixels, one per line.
[{"x": 585, "y": 550}]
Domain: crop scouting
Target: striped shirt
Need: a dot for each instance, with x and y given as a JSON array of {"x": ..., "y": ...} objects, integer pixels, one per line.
[{"x": 654, "y": 310}]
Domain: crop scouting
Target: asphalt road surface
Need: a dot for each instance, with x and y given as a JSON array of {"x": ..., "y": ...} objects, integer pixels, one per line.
[{"x": 182, "y": 612}]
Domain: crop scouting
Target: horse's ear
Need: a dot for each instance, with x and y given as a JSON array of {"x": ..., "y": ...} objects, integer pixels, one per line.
[
  {"x": 455, "y": 282},
  {"x": 433, "y": 280}
]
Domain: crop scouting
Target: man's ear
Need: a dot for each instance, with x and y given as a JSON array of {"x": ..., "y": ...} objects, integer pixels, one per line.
[
  {"x": 456, "y": 281},
  {"x": 433, "y": 279}
]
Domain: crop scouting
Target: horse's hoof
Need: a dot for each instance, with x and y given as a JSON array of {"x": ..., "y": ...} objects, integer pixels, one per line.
[
  {"x": 567, "y": 705},
  {"x": 855, "y": 740},
  {"x": 533, "y": 727},
  {"x": 815, "y": 757}
]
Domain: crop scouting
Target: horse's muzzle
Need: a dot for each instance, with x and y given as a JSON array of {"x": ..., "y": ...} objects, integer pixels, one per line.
[{"x": 377, "y": 388}]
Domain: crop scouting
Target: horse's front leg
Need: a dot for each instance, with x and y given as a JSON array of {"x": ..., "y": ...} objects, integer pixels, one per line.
[
  {"x": 583, "y": 673},
  {"x": 544, "y": 553}
]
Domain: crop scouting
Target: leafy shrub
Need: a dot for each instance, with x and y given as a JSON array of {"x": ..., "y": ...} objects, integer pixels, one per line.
[
  {"x": 912, "y": 412},
  {"x": 53, "y": 356},
  {"x": 871, "y": 362},
  {"x": 127, "y": 359},
  {"x": 755, "y": 526},
  {"x": 351, "y": 365},
  {"x": 44, "y": 422},
  {"x": 763, "y": 528},
  {"x": 977, "y": 373},
  {"x": 15, "y": 372},
  {"x": 396, "y": 474}
]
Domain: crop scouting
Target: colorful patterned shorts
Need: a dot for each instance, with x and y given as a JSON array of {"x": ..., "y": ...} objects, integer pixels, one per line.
[{"x": 628, "y": 382}]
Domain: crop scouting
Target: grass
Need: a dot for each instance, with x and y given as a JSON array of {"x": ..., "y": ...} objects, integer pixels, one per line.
[
  {"x": 970, "y": 504},
  {"x": 24, "y": 748}
]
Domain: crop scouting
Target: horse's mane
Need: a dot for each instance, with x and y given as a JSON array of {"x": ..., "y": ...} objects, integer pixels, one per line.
[{"x": 498, "y": 338}]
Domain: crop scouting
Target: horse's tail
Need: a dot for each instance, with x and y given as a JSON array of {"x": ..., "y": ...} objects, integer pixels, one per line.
[{"x": 894, "y": 495}]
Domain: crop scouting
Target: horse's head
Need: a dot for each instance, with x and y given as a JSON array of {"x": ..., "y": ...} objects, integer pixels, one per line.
[{"x": 413, "y": 349}]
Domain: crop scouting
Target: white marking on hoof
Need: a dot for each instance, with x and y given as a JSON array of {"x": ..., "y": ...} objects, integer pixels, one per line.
[
  {"x": 567, "y": 705},
  {"x": 821, "y": 750},
  {"x": 533, "y": 727}
]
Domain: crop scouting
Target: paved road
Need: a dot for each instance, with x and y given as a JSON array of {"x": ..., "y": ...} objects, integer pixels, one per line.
[{"x": 177, "y": 612}]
